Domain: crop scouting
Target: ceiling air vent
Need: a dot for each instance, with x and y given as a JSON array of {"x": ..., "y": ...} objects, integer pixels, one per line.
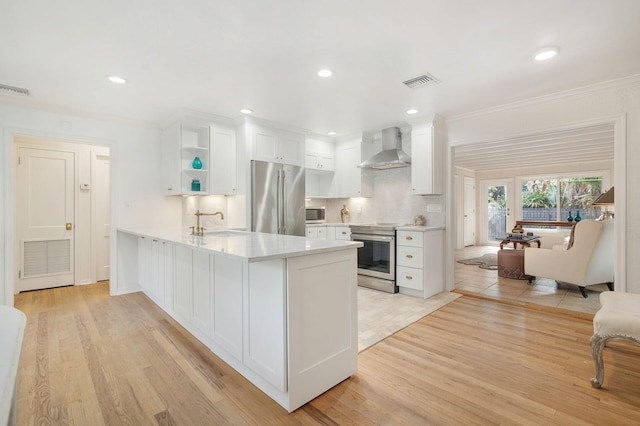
[
  {"x": 13, "y": 89},
  {"x": 423, "y": 80}
]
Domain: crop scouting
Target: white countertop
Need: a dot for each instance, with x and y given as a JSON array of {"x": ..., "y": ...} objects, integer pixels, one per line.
[
  {"x": 399, "y": 228},
  {"x": 250, "y": 246},
  {"x": 419, "y": 228},
  {"x": 327, "y": 224}
]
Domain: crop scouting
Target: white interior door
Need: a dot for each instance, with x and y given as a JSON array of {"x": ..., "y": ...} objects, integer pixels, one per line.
[
  {"x": 469, "y": 211},
  {"x": 101, "y": 210},
  {"x": 45, "y": 218}
]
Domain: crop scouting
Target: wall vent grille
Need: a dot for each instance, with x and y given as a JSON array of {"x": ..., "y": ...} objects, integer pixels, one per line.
[
  {"x": 46, "y": 257},
  {"x": 13, "y": 89},
  {"x": 420, "y": 81}
]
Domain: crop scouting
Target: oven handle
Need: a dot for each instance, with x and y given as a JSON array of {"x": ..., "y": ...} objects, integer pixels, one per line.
[{"x": 371, "y": 237}]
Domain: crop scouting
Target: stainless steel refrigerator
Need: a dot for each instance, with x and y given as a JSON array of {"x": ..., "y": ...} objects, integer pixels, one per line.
[{"x": 277, "y": 198}]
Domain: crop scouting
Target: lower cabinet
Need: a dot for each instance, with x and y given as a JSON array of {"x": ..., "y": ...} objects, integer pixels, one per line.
[
  {"x": 329, "y": 232},
  {"x": 155, "y": 273},
  {"x": 288, "y": 325},
  {"x": 265, "y": 340},
  {"x": 420, "y": 262},
  {"x": 201, "y": 291},
  {"x": 226, "y": 302}
]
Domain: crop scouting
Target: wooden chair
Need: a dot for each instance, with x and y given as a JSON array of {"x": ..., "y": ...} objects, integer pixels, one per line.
[{"x": 617, "y": 319}]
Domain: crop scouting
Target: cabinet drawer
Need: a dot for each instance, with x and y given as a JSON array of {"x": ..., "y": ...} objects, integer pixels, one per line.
[
  {"x": 409, "y": 256},
  {"x": 409, "y": 277},
  {"x": 343, "y": 233},
  {"x": 410, "y": 238}
]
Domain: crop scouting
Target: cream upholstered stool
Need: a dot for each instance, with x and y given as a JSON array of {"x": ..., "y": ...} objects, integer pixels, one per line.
[{"x": 617, "y": 319}]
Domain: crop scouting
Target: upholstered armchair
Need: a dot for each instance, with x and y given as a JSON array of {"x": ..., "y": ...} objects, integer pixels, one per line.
[{"x": 587, "y": 261}]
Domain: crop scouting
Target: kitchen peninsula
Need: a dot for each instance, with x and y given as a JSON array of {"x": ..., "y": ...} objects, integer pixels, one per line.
[{"x": 281, "y": 310}]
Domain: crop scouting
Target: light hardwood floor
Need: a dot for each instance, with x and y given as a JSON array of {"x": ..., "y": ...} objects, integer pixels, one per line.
[{"x": 92, "y": 359}]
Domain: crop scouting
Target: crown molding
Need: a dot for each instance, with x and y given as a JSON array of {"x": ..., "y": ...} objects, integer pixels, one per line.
[
  {"x": 579, "y": 91},
  {"x": 10, "y": 100}
]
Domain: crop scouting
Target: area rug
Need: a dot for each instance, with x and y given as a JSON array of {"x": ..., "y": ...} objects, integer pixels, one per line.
[
  {"x": 487, "y": 261},
  {"x": 382, "y": 314}
]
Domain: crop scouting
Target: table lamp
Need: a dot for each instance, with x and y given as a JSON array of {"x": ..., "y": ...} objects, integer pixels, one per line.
[{"x": 605, "y": 200}]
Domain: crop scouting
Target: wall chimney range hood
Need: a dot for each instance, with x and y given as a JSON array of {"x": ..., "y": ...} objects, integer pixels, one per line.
[{"x": 392, "y": 155}]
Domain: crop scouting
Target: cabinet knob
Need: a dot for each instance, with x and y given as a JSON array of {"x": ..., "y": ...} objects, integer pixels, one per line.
[
  {"x": 409, "y": 238},
  {"x": 409, "y": 256},
  {"x": 409, "y": 277},
  {"x": 344, "y": 233},
  {"x": 169, "y": 189}
]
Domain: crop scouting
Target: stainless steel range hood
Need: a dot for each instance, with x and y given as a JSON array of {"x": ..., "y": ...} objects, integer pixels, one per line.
[{"x": 392, "y": 155}]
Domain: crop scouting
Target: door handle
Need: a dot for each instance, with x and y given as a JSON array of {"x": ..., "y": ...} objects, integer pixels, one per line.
[{"x": 69, "y": 226}]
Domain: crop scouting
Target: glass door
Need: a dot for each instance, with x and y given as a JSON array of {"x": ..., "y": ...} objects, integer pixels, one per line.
[{"x": 498, "y": 217}]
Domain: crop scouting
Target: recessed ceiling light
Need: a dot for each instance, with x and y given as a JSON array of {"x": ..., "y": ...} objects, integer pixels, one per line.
[
  {"x": 246, "y": 111},
  {"x": 546, "y": 53},
  {"x": 412, "y": 111},
  {"x": 325, "y": 73},
  {"x": 116, "y": 79},
  {"x": 331, "y": 133}
]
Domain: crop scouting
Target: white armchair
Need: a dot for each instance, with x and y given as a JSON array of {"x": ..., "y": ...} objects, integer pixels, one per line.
[{"x": 588, "y": 261}]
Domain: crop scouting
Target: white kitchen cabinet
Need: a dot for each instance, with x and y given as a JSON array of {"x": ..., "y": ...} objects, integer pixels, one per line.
[
  {"x": 223, "y": 157},
  {"x": 279, "y": 146},
  {"x": 342, "y": 233},
  {"x": 226, "y": 300},
  {"x": 155, "y": 258},
  {"x": 320, "y": 162},
  {"x": 352, "y": 181},
  {"x": 181, "y": 143},
  {"x": 183, "y": 266},
  {"x": 200, "y": 291},
  {"x": 287, "y": 324},
  {"x": 329, "y": 232},
  {"x": 427, "y": 158},
  {"x": 320, "y": 155},
  {"x": 420, "y": 261},
  {"x": 265, "y": 337},
  {"x": 312, "y": 232},
  {"x": 144, "y": 262}
]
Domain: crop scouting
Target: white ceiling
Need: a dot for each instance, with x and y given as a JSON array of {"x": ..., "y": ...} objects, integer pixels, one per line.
[{"x": 219, "y": 56}]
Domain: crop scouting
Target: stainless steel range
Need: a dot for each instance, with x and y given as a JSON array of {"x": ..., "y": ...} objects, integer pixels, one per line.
[{"x": 377, "y": 258}]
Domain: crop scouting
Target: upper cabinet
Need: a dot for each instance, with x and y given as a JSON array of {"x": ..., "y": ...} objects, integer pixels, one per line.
[
  {"x": 320, "y": 165},
  {"x": 199, "y": 157},
  {"x": 427, "y": 158},
  {"x": 279, "y": 146},
  {"x": 181, "y": 144},
  {"x": 320, "y": 155},
  {"x": 223, "y": 159},
  {"x": 351, "y": 180}
]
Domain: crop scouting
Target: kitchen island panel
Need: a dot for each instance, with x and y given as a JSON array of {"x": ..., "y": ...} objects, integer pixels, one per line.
[
  {"x": 265, "y": 325},
  {"x": 285, "y": 321},
  {"x": 323, "y": 338},
  {"x": 227, "y": 302}
]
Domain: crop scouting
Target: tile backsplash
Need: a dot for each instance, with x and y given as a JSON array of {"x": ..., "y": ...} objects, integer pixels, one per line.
[{"x": 392, "y": 202}]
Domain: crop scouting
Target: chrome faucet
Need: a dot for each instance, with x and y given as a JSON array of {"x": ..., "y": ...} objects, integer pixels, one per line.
[{"x": 199, "y": 231}]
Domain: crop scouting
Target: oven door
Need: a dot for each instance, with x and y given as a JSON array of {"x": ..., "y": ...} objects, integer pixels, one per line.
[{"x": 377, "y": 258}]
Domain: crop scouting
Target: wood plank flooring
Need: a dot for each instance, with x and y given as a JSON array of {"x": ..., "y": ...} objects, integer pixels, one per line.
[{"x": 92, "y": 359}]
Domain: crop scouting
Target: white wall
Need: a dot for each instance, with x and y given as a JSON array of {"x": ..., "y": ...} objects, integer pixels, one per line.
[
  {"x": 136, "y": 198},
  {"x": 617, "y": 102}
]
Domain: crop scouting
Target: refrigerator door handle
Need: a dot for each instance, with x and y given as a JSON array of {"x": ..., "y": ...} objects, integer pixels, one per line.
[
  {"x": 279, "y": 200},
  {"x": 284, "y": 202}
]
